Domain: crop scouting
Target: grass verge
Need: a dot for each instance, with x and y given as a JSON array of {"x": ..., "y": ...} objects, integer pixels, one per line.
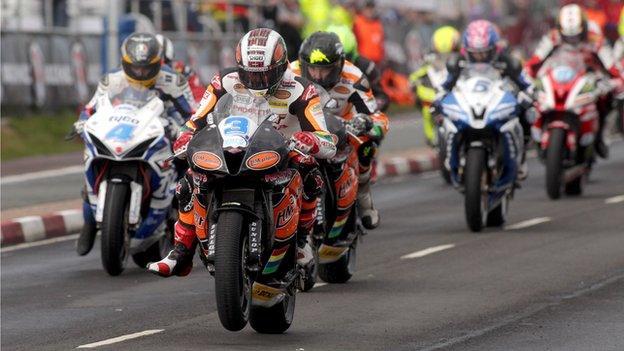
[{"x": 37, "y": 134}]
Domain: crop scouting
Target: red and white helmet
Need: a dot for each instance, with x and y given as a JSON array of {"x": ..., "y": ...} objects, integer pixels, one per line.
[
  {"x": 262, "y": 60},
  {"x": 572, "y": 24}
]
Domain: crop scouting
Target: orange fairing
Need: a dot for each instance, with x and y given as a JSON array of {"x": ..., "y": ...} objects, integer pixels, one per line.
[
  {"x": 347, "y": 184},
  {"x": 207, "y": 160},
  {"x": 286, "y": 212},
  {"x": 201, "y": 219},
  {"x": 263, "y": 160}
]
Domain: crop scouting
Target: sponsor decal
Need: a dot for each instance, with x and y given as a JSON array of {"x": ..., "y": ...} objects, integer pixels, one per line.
[
  {"x": 288, "y": 83},
  {"x": 278, "y": 104},
  {"x": 256, "y": 58},
  {"x": 207, "y": 160},
  {"x": 263, "y": 160},
  {"x": 264, "y": 294},
  {"x": 121, "y": 133},
  {"x": 124, "y": 119},
  {"x": 258, "y": 37},
  {"x": 341, "y": 89},
  {"x": 317, "y": 56},
  {"x": 337, "y": 227},
  {"x": 239, "y": 87},
  {"x": 329, "y": 254},
  {"x": 285, "y": 215},
  {"x": 282, "y": 94}
]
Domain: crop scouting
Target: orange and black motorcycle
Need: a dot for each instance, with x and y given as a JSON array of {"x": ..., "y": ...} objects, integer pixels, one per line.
[
  {"x": 247, "y": 206},
  {"x": 338, "y": 223}
]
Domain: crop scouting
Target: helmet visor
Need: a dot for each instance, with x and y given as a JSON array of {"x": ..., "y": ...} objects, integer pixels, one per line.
[
  {"x": 483, "y": 55},
  {"x": 256, "y": 79},
  {"x": 141, "y": 72},
  {"x": 324, "y": 75}
]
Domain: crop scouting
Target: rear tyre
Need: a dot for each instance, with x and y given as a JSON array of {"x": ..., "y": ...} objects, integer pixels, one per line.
[
  {"x": 232, "y": 286},
  {"x": 574, "y": 187},
  {"x": 497, "y": 216},
  {"x": 114, "y": 228},
  {"x": 473, "y": 201},
  {"x": 554, "y": 163},
  {"x": 273, "y": 320},
  {"x": 340, "y": 271}
]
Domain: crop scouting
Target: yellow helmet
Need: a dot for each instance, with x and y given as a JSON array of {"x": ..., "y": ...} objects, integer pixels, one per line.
[{"x": 445, "y": 40}]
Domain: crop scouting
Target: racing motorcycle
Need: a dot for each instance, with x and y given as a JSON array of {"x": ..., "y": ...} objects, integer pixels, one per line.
[
  {"x": 338, "y": 223},
  {"x": 485, "y": 143},
  {"x": 428, "y": 82},
  {"x": 253, "y": 204},
  {"x": 568, "y": 121},
  {"x": 126, "y": 150}
]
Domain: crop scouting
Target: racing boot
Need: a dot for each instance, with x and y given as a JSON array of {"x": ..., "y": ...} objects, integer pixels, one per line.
[
  {"x": 179, "y": 261},
  {"x": 368, "y": 213},
  {"x": 87, "y": 234},
  {"x": 307, "y": 219}
]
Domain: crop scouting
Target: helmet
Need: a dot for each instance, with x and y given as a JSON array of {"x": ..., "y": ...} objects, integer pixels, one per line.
[
  {"x": 480, "y": 40},
  {"x": 322, "y": 57},
  {"x": 262, "y": 59},
  {"x": 347, "y": 38},
  {"x": 167, "y": 48},
  {"x": 140, "y": 58},
  {"x": 572, "y": 24},
  {"x": 446, "y": 40}
]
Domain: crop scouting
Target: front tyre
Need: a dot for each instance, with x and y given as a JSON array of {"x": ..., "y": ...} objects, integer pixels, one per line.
[
  {"x": 340, "y": 271},
  {"x": 114, "y": 228},
  {"x": 554, "y": 163},
  {"x": 232, "y": 283},
  {"x": 474, "y": 200}
]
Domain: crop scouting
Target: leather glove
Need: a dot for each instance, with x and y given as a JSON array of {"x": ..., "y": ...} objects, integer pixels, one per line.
[
  {"x": 305, "y": 142},
  {"x": 79, "y": 126}
]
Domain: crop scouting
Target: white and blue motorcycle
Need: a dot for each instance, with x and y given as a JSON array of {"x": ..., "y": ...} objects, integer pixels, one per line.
[
  {"x": 130, "y": 182},
  {"x": 484, "y": 143}
]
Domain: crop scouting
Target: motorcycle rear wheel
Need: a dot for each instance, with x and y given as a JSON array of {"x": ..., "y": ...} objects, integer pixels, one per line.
[
  {"x": 276, "y": 319},
  {"x": 340, "y": 271}
]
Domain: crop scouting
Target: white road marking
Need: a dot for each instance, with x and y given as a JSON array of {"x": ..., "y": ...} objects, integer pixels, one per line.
[
  {"x": 120, "y": 338},
  {"x": 528, "y": 223},
  {"x": 427, "y": 251},
  {"x": 318, "y": 285},
  {"x": 20, "y": 178},
  {"x": 614, "y": 200},
  {"x": 39, "y": 243}
]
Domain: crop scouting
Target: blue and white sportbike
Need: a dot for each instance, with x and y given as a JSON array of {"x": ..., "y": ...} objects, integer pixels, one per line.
[
  {"x": 484, "y": 142},
  {"x": 130, "y": 182}
]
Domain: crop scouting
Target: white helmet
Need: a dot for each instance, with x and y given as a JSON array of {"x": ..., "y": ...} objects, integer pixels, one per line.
[
  {"x": 167, "y": 48},
  {"x": 572, "y": 24}
]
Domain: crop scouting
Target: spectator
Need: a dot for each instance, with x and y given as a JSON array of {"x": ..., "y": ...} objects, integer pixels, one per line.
[
  {"x": 288, "y": 21},
  {"x": 369, "y": 32}
]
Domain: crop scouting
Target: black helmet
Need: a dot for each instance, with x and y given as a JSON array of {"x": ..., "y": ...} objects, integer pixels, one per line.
[
  {"x": 141, "y": 54},
  {"x": 321, "y": 58},
  {"x": 262, "y": 60}
]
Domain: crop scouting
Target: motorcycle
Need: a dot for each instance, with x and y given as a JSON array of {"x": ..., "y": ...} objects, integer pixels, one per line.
[
  {"x": 567, "y": 122},
  {"x": 485, "y": 143},
  {"x": 428, "y": 82},
  {"x": 338, "y": 225},
  {"x": 253, "y": 202},
  {"x": 131, "y": 182}
]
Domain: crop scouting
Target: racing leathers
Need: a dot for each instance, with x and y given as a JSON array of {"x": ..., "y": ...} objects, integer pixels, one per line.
[
  {"x": 509, "y": 67},
  {"x": 598, "y": 57},
  {"x": 299, "y": 117},
  {"x": 174, "y": 90},
  {"x": 353, "y": 96}
]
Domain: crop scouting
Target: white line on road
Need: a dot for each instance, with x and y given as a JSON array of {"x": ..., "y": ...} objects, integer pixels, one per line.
[
  {"x": 20, "y": 178},
  {"x": 528, "y": 223},
  {"x": 614, "y": 200},
  {"x": 120, "y": 338},
  {"x": 427, "y": 251},
  {"x": 39, "y": 243},
  {"x": 318, "y": 285}
]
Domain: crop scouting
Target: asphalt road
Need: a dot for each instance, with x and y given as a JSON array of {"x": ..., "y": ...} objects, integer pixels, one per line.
[
  {"x": 405, "y": 133},
  {"x": 556, "y": 285}
]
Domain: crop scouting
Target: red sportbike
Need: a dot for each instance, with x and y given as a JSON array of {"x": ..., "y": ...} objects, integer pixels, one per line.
[{"x": 567, "y": 121}]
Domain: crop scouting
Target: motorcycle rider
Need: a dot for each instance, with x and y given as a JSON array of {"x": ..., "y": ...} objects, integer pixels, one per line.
[
  {"x": 481, "y": 43},
  {"x": 445, "y": 41},
  {"x": 574, "y": 29},
  {"x": 368, "y": 67},
  {"x": 263, "y": 69},
  {"x": 179, "y": 66},
  {"x": 322, "y": 60},
  {"x": 141, "y": 56}
]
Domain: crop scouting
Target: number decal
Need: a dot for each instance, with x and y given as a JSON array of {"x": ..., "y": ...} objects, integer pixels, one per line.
[{"x": 481, "y": 86}]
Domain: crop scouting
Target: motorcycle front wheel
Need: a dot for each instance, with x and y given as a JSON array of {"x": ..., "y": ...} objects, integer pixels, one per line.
[
  {"x": 115, "y": 239},
  {"x": 474, "y": 206}
]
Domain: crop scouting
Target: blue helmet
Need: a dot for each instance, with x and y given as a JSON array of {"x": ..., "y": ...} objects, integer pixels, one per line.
[{"x": 480, "y": 41}]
